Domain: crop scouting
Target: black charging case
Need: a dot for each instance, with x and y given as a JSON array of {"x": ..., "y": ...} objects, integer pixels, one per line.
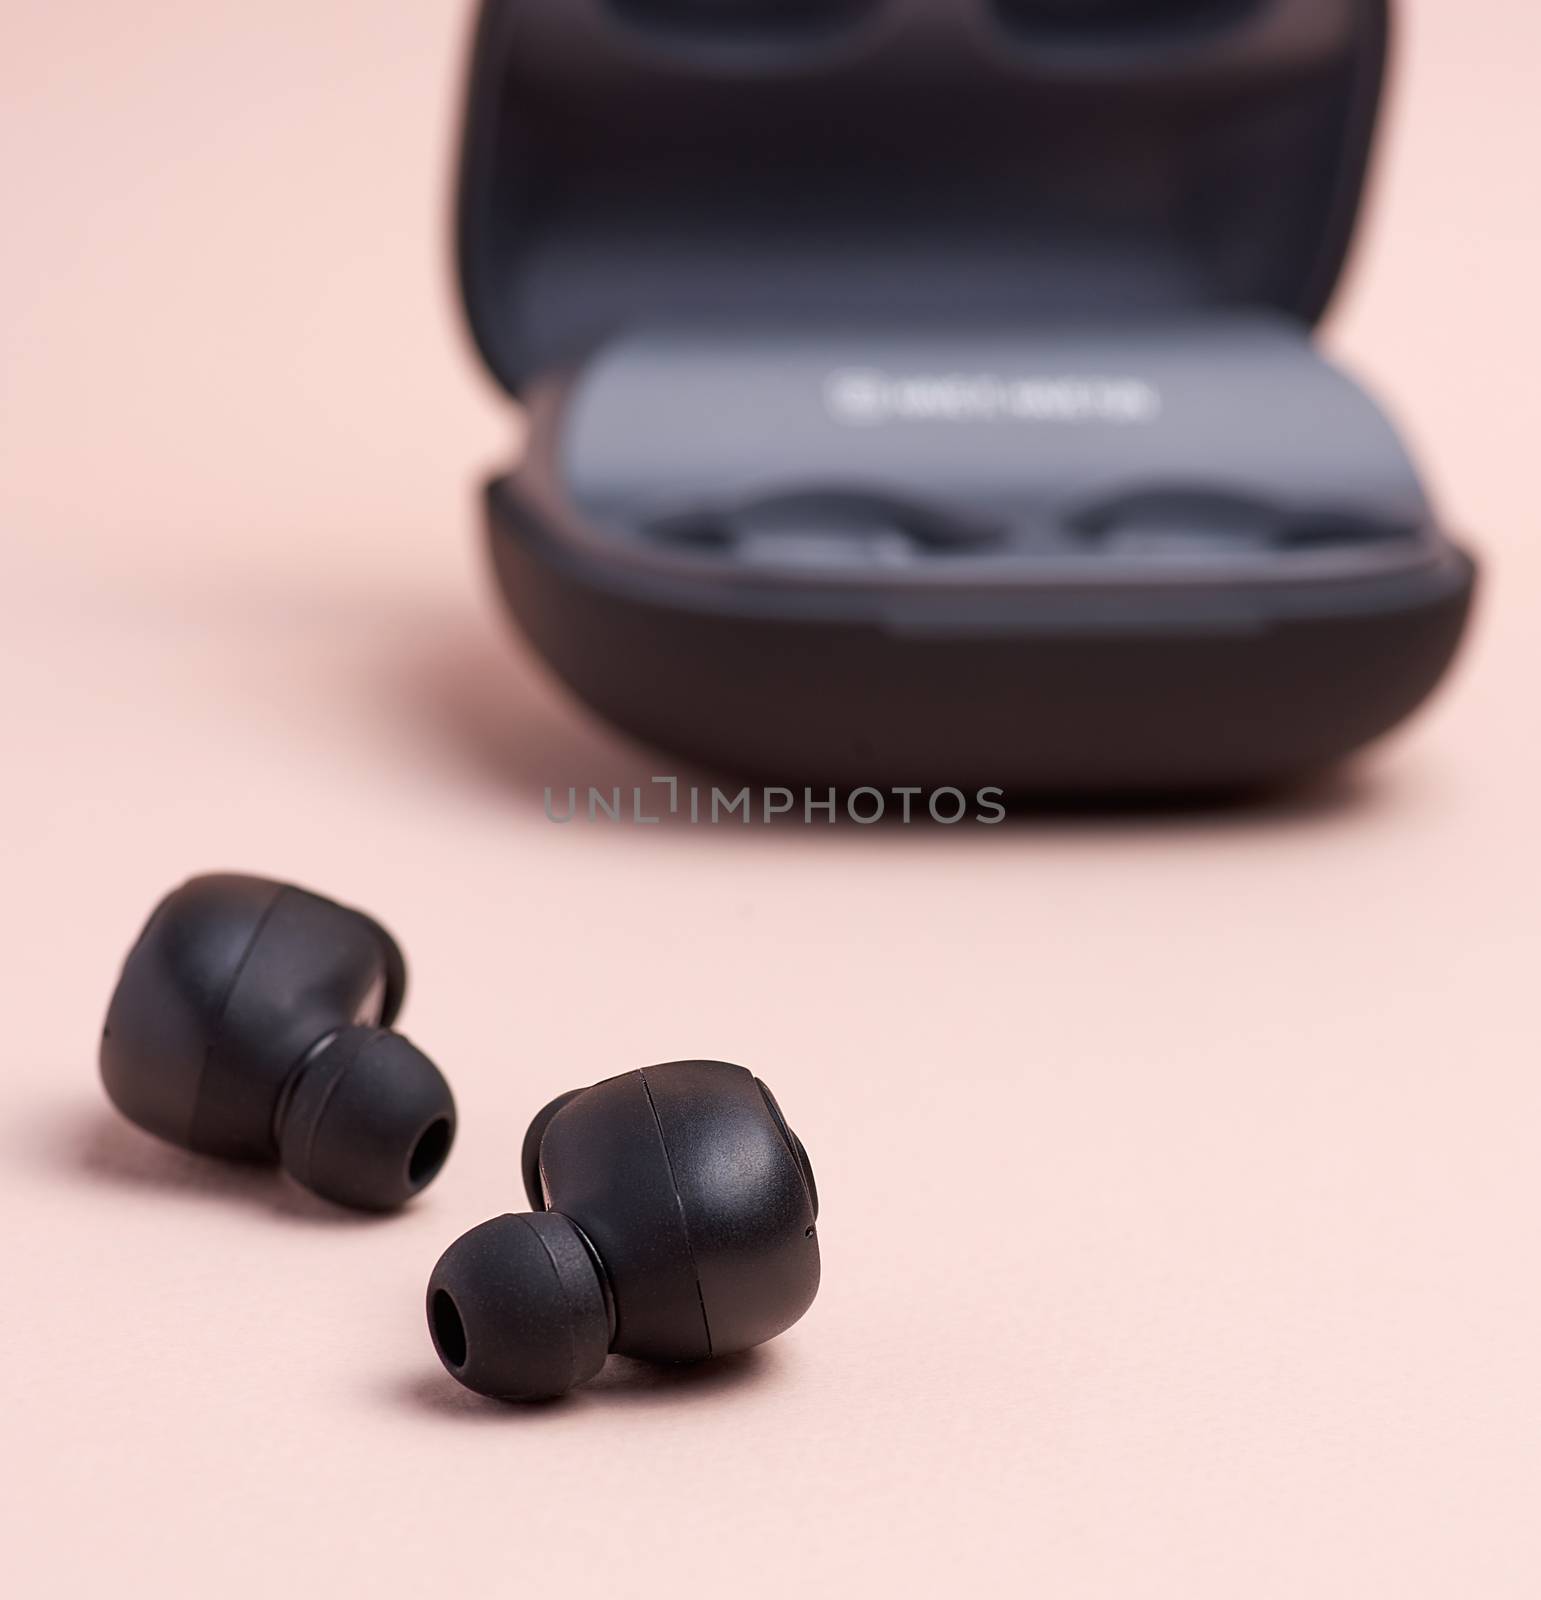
[{"x": 922, "y": 391}]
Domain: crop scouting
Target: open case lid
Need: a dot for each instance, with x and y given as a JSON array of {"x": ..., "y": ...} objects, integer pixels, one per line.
[{"x": 634, "y": 161}]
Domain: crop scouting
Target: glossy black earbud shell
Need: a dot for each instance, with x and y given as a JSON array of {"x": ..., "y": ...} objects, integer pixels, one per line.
[{"x": 232, "y": 984}]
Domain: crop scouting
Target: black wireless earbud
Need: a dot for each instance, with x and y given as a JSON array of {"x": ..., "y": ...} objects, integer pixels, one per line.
[
  {"x": 251, "y": 1022},
  {"x": 675, "y": 1220}
]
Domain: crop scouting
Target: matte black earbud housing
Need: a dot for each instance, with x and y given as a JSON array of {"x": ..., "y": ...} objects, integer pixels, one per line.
[
  {"x": 251, "y": 1022},
  {"x": 675, "y": 1221}
]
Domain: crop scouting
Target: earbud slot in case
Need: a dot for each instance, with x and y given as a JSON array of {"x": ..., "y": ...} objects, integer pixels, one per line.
[{"x": 922, "y": 391}]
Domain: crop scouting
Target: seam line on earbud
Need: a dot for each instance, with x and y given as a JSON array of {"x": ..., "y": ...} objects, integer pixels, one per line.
[
  {"x": 216, "y": 1033},
  {"x": 690, "y": 1248}
]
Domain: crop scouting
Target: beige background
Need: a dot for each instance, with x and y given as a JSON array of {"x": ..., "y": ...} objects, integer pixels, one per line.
[{"x": 1181, "y": 1176}]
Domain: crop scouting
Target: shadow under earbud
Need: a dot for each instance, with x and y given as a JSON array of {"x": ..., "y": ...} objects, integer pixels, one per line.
[
  {"x": 631, "y": 1383},
  {"x": 102, "y": 1147},
  {"x": 622, "y": 1384}
]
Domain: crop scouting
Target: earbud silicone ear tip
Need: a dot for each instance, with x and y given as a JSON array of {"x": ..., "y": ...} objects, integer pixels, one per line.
[
  {"x": 518, "y": 1310},
  {"x": 370, "y": 1121}
]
